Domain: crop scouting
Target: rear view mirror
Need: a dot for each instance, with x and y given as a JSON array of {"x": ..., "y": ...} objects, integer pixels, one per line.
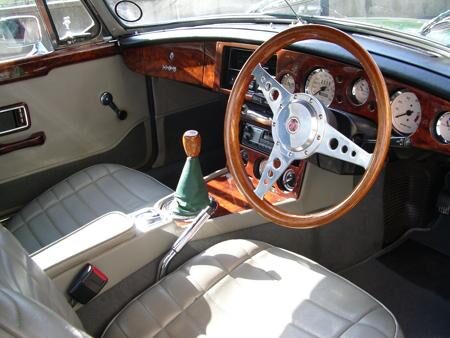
[{"x": 20, "y": 36}]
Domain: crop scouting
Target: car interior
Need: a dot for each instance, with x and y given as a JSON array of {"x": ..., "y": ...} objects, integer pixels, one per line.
[{"x": 224, "y": 168}]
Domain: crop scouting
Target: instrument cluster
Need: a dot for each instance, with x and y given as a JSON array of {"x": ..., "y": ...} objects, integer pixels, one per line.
[{"x": 405, "y": 104}]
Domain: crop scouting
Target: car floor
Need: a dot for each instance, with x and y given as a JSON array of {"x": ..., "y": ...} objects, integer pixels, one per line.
[{"x": 412, "y": 280}]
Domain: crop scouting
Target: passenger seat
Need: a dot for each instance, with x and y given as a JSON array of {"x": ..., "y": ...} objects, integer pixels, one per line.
[{"x": 81, "y": 198}]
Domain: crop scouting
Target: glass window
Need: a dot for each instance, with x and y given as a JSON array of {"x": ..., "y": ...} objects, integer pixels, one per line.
[
  {"x": 422, "y": 18},
  {"x": 22, "y": 31},
  {"x": 73, "y": 22}
]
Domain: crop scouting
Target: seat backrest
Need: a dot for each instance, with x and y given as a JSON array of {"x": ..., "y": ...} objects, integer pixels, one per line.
[{"x": 29, "y": 301}]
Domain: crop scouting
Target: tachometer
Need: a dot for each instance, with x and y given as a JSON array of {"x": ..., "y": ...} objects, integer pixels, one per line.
[
  {"x": 443, "y": 127},
  {"x": 360, "y": 91},
  {"x": 288, "y": 81},
  {"x": 406, "y": 112},
  {"x": 320, "y": 83}
]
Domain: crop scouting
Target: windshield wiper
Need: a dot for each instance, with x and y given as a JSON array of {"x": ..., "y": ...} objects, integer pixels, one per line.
[
  {"x": 299, "y": 19},
  {"x": 442, "y": 21},
  {"x": 270, "y": 5}
]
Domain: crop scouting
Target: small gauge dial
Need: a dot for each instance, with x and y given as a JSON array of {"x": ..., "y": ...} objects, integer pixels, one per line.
[
  {"x": 288, "y": 81},
  {"x": 360, "y": 91},
  {"x": 443, "y": 127},
  {"x": 288, "y": 181},
  {"x": 261, "y": 167},
  {"x": 320, "y": 83},
  {"x": 406, "y": 112}
]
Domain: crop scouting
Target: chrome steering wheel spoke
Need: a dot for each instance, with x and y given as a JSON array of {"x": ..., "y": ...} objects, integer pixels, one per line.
[
  {"x": 276, "y": 95},
  {"x": 278, "y": 162},
  {"x": 337, "y": 145}
]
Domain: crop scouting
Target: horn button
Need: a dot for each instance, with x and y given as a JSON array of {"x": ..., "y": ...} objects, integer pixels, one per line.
[{"x": 300, "y": 124}]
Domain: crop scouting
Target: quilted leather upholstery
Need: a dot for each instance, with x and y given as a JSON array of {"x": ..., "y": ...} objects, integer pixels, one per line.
[
  {"x": 30, "y": 304},
  {"x": 245, "y": 288},
  {"x": 80, "y": 199}
]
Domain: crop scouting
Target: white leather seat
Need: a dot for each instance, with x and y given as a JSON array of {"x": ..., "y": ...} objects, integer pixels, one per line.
[
  {"x": 80, "y": 199},
  {"x": 243, "y": 288},
  {"x": 236, "y": 288}
]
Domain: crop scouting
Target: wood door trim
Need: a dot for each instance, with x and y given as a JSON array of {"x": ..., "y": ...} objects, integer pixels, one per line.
[{"x": 21, "y": 69}]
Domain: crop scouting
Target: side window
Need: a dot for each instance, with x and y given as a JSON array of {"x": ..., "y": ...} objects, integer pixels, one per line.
[
  {"x": 22, "y": 31},
  {"x": 72, "y": 20}
]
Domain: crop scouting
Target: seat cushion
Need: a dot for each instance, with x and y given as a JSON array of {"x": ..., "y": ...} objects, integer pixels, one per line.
[
  {"x": 81, "y": 198},
  {"x": 243, "y": 288},
  {"x": 29, "y": 300}
]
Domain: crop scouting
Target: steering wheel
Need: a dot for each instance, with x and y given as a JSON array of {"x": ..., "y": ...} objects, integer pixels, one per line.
[{"x": 301, "y": 128}]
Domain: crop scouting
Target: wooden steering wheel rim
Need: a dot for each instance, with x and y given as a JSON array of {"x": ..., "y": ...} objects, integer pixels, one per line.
[{"x": 232, "y": 121}]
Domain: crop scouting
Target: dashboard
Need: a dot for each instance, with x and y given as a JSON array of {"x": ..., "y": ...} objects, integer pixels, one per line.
[{"x": 420, "y": 118}]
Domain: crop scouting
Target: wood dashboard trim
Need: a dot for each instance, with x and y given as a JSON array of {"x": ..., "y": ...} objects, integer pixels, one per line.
[
  {"x": 229, "y": 198},
  {"x": 301, "y": 64},
  {"x": 183, "y": 62},
  {"x": 207, "y": 72}
]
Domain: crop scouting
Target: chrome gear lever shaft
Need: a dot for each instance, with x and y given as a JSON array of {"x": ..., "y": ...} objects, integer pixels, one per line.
[{"x": 185, "y": 237}]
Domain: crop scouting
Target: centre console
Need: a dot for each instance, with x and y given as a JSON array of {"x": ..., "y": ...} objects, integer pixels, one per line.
[
  {"x": 256, "y": 121},
  {"x": 256, "y": 141},
  {"x": 256, "y": 146}
]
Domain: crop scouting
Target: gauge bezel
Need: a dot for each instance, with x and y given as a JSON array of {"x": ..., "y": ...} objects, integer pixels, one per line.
[
  {"x": 396, "y": 94},
  {"x": 317, "y": 71},
  {"x": 352, "y": 97},
  {"x": 282, "y": 181},
  {"x": 288, "y": 74},
  {"x": 435, "y": 128}
]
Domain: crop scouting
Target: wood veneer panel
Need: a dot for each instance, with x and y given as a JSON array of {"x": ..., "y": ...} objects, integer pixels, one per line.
[
  {"x": 254, "y": 160},
  {"x": 175, "y": 61},
  {"x": 41, "y": 65},
  {"x": 211, "y": 79},
  {"x": 432, "y": 106},
  {"x": 300, "y": 65},
  {"x": 229, "y": 198}
]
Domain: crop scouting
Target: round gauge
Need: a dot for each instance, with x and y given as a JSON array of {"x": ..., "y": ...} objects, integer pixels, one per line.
[
  {"x": 406, "y": 112},
  {"x": 261, "y": 167},
  {"x": 320, "y": 83},
  {"x": 288, "y": 82},
  {"x": 360, "y": 91},
  {"x": 288, "y": 181},
  {"x": 443, "y": 127}
]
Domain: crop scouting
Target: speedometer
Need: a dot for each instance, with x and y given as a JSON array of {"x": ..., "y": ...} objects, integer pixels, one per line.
[
  {"x": 320, "y": 83},
  {"x": 406, "y": 112}
]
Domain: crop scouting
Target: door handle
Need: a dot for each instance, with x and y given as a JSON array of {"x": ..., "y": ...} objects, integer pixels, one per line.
[{"x": 35, "y": 139}]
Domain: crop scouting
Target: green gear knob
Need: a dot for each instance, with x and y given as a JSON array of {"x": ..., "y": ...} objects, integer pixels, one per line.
[{"x": 191, "y": 194}]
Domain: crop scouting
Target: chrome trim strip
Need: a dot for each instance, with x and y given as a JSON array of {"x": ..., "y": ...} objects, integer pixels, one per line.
[{"x": 21, "y": 127}]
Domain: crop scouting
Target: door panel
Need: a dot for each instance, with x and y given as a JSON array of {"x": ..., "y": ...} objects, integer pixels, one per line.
[{"x": 65, "y": 105}]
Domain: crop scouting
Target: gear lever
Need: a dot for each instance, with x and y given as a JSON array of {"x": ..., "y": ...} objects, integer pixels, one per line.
[
  {"x": 190, "y": 199},
  {"x": 191, "y": 194}
]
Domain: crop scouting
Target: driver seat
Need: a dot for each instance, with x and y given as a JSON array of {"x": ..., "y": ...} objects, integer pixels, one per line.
[{"x": 237, "y": 288}]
